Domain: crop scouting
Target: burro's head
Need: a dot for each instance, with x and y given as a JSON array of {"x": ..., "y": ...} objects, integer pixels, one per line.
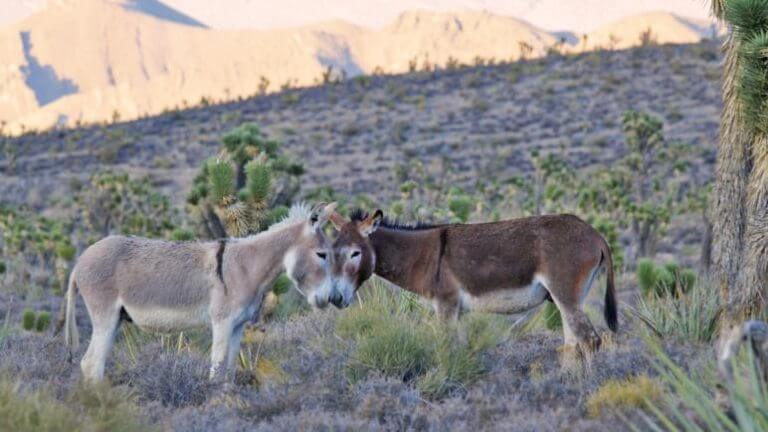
[
  {"x": 309, "y": 262},
  {"x": 354, "y": 256}
]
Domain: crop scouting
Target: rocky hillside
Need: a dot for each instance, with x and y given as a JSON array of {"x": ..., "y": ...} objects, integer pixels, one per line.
[
  {"x": 483, "y": 120},
  {"x": 133, "y": 58}
]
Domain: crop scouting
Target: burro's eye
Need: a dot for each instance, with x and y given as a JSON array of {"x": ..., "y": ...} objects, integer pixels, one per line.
[
  {"x": 321, "y": 255},
  {"x": 355, "y": 254}
]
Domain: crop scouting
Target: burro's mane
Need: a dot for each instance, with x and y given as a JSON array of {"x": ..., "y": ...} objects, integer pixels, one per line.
[{"x": 299, "y": 212}]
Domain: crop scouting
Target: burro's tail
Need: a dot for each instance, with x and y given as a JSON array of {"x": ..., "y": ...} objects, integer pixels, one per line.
[
  {"x": 610, "y": 311},
  {"x": 71, "y": 336}
]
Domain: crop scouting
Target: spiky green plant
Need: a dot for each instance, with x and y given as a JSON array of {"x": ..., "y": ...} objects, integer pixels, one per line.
[
  {"x": 692, "y": 404},
  {"x": 691, "y": 316},
  {"x": 238, "y": 192}
]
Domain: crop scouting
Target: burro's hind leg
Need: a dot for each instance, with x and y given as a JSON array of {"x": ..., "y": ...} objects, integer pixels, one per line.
[
  {"x": 578, "y": 331},
  {"x": 568, "y": 292},
  {"x": 105, "y": 322}
]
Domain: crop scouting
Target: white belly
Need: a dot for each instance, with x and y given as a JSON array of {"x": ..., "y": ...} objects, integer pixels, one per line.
[
  {"x": 506, "y": 301},
  {"x": 168, "y": 320}
]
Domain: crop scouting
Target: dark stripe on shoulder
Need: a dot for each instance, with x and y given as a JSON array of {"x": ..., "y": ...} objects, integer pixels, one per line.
[
  {"x": 220, "y": 262},
  {"x": 443, "y": 241}
]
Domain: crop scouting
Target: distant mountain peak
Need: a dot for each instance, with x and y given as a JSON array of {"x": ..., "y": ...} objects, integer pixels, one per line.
[
  {"x": 153, "y": 8},
  {"x": 162, "y": 11}
]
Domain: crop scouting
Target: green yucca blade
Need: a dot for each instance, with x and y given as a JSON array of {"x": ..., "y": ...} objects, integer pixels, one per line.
[
  {"x": 221, "y": 180},
  {"x": 753, "y": 80},
  {"x": 258, "y": 181},
  {"x": 748, "y": 17}
]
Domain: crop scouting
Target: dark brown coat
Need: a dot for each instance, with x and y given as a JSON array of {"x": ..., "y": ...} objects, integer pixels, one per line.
[{"x": 504, "y": 267}]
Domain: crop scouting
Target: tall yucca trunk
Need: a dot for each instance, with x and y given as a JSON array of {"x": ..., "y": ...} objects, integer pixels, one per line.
[
  {"x": 731, "y": 174},
  {"x": 753, "y": 287},
  {"x": 740, "y": 212}
]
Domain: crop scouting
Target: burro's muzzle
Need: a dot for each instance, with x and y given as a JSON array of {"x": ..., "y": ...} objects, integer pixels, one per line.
[
  {"x": 323, "y": 295},
  {"x": 343, "y": 293}
]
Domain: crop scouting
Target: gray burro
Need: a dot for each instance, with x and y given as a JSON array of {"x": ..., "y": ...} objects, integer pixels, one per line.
[{"x": 169, "y": 286}]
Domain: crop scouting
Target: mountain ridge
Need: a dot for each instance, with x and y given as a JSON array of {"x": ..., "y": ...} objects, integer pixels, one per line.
[{"x": 132, "y": 63}]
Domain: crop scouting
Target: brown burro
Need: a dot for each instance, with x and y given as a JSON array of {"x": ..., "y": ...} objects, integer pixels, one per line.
[{"x": 499, "y": 267}]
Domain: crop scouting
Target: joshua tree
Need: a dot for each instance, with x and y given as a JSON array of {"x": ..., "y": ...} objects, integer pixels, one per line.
[
  {"x": 245, "y": 187},
  {"x": 740, "y": 198},
  {"x": 640, "y": 189},
  {"x": 117, "y": 204}
]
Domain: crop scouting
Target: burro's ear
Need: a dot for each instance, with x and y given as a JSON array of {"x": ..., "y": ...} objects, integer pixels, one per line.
[
  {"x": 371, "y": 223},
  {"x": 320, "y": 214},
  {"x": 337, "y": 220}
]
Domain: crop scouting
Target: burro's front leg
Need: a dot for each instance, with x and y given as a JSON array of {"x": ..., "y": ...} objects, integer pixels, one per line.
[
  {"x": 222, "y": 336},
  {"x": 447, "y": 308}
]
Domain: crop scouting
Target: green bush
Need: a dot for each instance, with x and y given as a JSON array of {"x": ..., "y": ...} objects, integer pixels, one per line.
[
  {"x": 669, "y": 279},
  {"x": 393, "y": 348},
  {"x": 395, "y": 336},
  {"x": 646, "y": 276},
  {"x": 282, "y": 284},
  {"x": 65, "y": 251},
  {"x": 693, "y": 315},
  {"x": 461, "y": 207},
  {"x": 33, "y": 412},
  {"x": 289, "y": 304},
  {"x": 28, "y": 319},
  {"x": 457, "y": 363},
  {"x": 182, "y": 234},
  {"x": 43, "y": 321}
]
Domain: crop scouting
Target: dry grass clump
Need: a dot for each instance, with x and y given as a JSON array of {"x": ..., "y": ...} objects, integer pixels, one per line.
[
  {"x": 396, "y": 337},
  {"x": 633, "y": 392},
  {"x": 86, "y": 408}
]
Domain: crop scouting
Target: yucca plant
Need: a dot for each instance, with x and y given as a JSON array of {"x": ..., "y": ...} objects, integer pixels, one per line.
[
  {"x": 246, "y": 187},
  {"x": 692, "y": 403},
  {"x": 740, "y": 211},
  {"x": 691, "y": 316}
]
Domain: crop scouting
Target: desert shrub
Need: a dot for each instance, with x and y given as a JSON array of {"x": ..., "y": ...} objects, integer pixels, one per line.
[
  {"x": 28, "y": 320},
  {"x": 116, "y": 203},
  {"x": 108, "y": 408},
  {"x": 692, "y": 315},
  {"x": 86, "y": 408},
  {"x": 43, "y": 321},
  {"x": 668, "y": 279},
  {"x": 692, "y": 404},
  {"x": 31, "y": 243},
  {"x": 174, "y": 376},
  {"x": 459, "y": 363},
  {"x": 396, "y": 337},
  {"x": 290, "y": 304},
  {"x": 33, "y": 412},
  {"x": 633, "y": 392},
  {"x": 393, "y": 348}
]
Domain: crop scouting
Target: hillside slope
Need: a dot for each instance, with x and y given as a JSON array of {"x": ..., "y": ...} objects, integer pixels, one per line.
[{"x": 352, "y": 135}]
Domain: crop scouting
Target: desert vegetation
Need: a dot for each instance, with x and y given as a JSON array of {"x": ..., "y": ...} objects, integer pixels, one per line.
[{"x": 682, "y": 241}]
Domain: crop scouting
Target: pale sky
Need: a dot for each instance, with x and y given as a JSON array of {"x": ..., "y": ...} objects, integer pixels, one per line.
[{"x": 573, "y": 15}]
